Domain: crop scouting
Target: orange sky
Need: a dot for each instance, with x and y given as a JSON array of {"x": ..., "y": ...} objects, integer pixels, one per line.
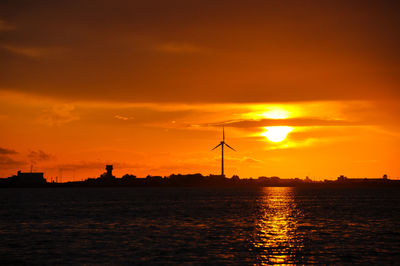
[{"x": 147, "y": 86}]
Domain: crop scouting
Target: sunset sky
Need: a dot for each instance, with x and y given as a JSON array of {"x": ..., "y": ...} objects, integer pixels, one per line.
[{"x": 304, "y": 88}]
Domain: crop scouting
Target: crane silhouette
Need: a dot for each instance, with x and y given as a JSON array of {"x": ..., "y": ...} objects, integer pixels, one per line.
[{"x": 222, "y": 143}]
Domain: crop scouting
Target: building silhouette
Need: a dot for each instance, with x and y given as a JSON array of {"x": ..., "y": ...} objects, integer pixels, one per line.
[
  {"x": 30, "y": 178},
  {"x": 108, "y": 174}
]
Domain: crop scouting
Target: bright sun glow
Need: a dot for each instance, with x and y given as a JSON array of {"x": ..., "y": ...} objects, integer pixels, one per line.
[
  {"x": 281, "y": 111},
  {"x": 276, "y": 113},
  {"x": 276, "y": 134}
]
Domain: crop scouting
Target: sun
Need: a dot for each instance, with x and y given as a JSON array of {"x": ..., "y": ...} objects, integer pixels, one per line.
[{"x": 276, "y": 134}]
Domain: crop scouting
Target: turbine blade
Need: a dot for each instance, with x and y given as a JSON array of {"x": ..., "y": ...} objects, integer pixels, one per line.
[
  {"x": 223, "y": 133},
  {"x": 230, "y": 147},
  {"x": 216, "y": 146}
]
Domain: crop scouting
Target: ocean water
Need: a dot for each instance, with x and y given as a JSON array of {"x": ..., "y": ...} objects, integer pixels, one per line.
[{"x": 249, "y": 226}]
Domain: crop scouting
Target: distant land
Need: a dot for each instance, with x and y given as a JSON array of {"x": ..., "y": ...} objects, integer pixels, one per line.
[{"x": 107, "y": 179}]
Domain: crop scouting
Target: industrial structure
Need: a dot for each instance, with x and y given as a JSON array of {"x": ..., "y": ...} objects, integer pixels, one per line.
[
  {"x": 30, "y": 178},
  {"x": 222, "y": 143},
  {"x": 108, "y": 174}
]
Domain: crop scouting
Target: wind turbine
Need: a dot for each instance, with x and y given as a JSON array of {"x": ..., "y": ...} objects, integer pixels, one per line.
[{"x": 222, "y": 143}]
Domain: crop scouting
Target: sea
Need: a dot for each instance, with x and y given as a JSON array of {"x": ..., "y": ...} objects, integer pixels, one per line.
[{"x": 198, "y": 226}]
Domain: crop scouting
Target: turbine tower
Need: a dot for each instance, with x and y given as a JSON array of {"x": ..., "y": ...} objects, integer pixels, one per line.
[{"x": 222, "y": 143}]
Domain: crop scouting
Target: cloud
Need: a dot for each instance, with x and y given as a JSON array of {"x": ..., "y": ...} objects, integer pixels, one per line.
[
  {"x": 4, "y": 151},
  {"x": 38, "y": 156},
  {"x": 123, "y": 58},
  {"x": 32, "y": 52},
  {"x": 59, "y": 115},
  {"x": 25, "y": 51},
  {"x": 6, "y": 162},
  {"x": 298, "y": 122},
  {"x": 124, "y": 118},
  {"x": 4, "y": 26},
  {"x": 251, "y": 160},
  {"x": 178, "y": 48},
  {"x": 245, "y": 160}
]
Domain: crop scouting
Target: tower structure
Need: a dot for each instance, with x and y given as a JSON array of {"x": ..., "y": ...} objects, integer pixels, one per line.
[{"x": 222, "y": 144}]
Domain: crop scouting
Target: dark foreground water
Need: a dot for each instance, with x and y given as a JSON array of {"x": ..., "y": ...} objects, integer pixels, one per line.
[{"x": 199, "y": 226}]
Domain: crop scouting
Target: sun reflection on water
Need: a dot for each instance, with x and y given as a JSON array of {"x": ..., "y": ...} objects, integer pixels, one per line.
[{"x": 275, "y": 238}]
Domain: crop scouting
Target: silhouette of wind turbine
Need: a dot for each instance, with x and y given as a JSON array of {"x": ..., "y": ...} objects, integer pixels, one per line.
[{"x": 222, "y": 143}]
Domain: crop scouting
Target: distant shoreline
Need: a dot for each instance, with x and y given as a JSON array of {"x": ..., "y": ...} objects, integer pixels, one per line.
[
  {"x": 204, "y": 183},
  {"x": 107, "y": 179}
]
